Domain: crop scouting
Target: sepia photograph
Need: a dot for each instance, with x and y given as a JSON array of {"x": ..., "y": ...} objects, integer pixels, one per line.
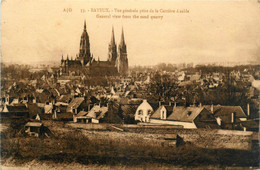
[{"x": 134, "y": 84}]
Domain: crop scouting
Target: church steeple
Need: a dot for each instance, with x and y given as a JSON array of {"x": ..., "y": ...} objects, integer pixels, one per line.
[
  {"x": 84, "y": 50},
  {"x": 122, "y": 60},
  {"x": 112, "y": 50},
  {"x": 122, "y": 43},
  {"x": 113, "y": 37},
  {"x": 85, "y": 27}
]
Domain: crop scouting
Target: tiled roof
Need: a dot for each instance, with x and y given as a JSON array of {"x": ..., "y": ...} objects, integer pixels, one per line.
[
  {"x": 186, "y": 114},
  {"x": 224, "y": 110},
  {"x": 17, "y": 108},
  {"x": 81, "y": 113},
  {"x": 75, "y": 103},
  {"x": 157, "y": 114},
  {"x": 97, "y": 112}
]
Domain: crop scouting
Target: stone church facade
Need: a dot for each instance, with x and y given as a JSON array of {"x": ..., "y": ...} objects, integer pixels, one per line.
[{"x": 116, "y": 64}]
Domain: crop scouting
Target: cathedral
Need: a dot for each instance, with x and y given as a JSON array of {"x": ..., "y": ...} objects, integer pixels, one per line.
[{"x": 116, "y": 64}]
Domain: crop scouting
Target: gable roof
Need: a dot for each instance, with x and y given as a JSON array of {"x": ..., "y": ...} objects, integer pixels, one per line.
[
  {"x": 76, "y": 102},
  {"x": 65, "y": 98},
  {"x": 169, "y": 109},
  {"x": 226, "y": 110},
  {"x": 157, "y": 114},
  {"x": 144, "y": 105},
  {"x": 97, "y": 112},
  {"x": 215, "y": 107},
  {"x": 81, "y": 113},
  {"x": 17, "y": 108},
  {"x": 185, "y": 114}
]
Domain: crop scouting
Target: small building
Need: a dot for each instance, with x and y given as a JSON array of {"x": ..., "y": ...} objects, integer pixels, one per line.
[
  {"x": 48, "y": 107},
  {"x": 228, "y": 117},
  {"x": 143, "y": 112},
  {"x": 172, "y": 140},
  {"x": 81, "y": 117},
  {"x": 34, "y": 129},
  {"x": 18, "y": 111},
  {"x": 92, "y": 116},
  {"x": 75, "y": 106},
  {"x": 187, "y": 117}
]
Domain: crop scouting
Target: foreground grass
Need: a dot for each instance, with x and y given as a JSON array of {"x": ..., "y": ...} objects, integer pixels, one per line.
[{"x": 77, "y": 148}]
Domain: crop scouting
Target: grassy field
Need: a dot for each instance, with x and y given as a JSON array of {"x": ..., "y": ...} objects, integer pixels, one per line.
[{"x": 104, "y": 148}]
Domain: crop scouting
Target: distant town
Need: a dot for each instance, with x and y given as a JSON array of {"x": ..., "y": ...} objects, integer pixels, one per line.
[{"x": 151, "y": 111}]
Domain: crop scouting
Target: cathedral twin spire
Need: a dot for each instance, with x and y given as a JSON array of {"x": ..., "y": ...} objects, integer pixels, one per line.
[
  {"x": 122, "y": 42},
  {"x": 112, "y": 48},
  {"x": 113, "y": 37},
  {"x": 85, "y": 27},
  {"x": 117, "y": 57}
]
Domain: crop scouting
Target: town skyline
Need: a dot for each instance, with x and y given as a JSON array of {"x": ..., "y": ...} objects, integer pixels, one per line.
[
  {"x": 200, "y": 36},
  {"x": 130, "y": 84}
]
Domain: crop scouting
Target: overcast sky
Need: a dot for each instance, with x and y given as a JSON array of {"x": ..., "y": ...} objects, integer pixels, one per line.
[{"x": 36, "y": 31}]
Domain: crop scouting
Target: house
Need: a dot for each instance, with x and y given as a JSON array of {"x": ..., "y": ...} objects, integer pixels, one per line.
[
  {"x": 250, "y": 125},
  {"x": 81, "y": 117},
  {"x": 63, "y": 116},
  {"x": 34, "y": 129},
  {"x": 228, "y": 117},
  {"x": 16, "y": 111},
  {"x": 61, "y": 107},
  {"x": 143, "y": 112},
  {"x": 163, "y": 112},
  {"x": 92, "y": 116},
  {"x": 196, "y": 77},
  {"x": 187, "y": 117},
  {"x": 181, "y": 76},
  {"x": 75, "y": 106},
  {"x": 48, "y": 107}
]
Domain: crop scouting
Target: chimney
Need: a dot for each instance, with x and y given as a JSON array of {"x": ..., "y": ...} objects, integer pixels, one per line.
[
  {"x": 175, "y": 104},
  {"x": 212, "y": 108},
  {"x": 170, "y": 103},
  {"x": 88, "y": 107},
  {"x": 233, "y": 117},
  {"x": 248, "y": 109},
  {"x": 160, "y": 103},
  {"x": 200, "y": 105}
]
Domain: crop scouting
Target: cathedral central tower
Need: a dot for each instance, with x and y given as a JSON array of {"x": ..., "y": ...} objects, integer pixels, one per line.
[
  {"x": 84, "y": 62},
  {"x": 84, "y": 50}
]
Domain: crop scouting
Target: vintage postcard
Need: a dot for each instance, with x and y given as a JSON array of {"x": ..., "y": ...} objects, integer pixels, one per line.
[{"x": 136, "y": 84}]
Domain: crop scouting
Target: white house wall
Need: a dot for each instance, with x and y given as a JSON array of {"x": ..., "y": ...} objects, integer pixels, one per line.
[{"x": 186, "y": 125}]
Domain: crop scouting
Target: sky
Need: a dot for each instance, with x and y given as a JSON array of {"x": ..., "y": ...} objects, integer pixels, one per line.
[{"x": 34, "y": 31}]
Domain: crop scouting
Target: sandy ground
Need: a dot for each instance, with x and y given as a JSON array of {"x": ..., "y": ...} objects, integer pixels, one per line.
[
  {"x": 43, "y": 165},
  {"x": 119, "y": 167},
  {"x": 3, "y": 127},
  {"x": 36, "y": 165}
]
